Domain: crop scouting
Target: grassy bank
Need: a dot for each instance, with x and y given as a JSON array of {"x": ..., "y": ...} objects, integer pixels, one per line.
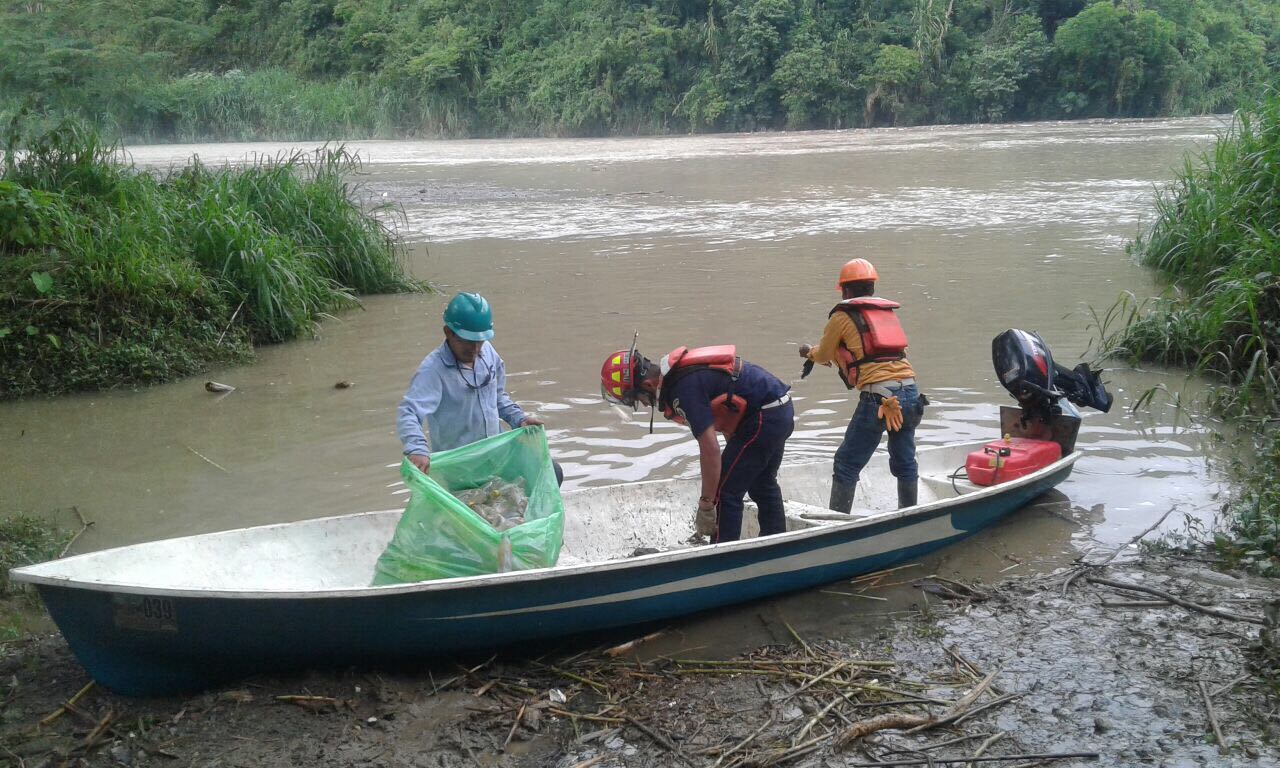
[
  {"x": 1216, "y": 243},
  {"x": 24, "y": 540},
  {"x": 111, "y": 276}
]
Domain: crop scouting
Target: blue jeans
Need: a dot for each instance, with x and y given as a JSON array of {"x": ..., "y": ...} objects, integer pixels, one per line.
[
  {"x": 863, "y": 436},
  {"x": 749, "y": 466}
]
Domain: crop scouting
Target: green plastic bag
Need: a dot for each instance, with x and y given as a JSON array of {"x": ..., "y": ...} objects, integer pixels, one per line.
[{"x": 439, "y": 537}]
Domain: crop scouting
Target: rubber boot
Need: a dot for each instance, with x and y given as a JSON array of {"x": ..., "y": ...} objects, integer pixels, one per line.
[
  {"x": 841, "y": 496},
  {"x": 907, "y": 492}
]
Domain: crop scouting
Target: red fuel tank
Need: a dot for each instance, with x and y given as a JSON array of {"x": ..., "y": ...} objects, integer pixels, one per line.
[{"x": 1010, "y": 458}]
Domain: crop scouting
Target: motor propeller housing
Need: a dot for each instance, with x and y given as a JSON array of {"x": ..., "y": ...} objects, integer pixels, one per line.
[{"x": 1026, "y": 369}]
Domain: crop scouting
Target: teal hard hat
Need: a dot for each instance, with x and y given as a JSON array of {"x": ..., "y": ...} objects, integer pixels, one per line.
[{"x": 469, "y": 316}]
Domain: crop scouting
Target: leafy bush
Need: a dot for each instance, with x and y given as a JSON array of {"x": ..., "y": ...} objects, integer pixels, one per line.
[
  {"x": 26, "y": 540},
  {"x": 1256, "y": 510},
  {"x": 114, "y": 277}
]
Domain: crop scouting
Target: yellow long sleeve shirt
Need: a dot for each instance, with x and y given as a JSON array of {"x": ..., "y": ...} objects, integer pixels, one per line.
[{"x": 841, "y": 330}]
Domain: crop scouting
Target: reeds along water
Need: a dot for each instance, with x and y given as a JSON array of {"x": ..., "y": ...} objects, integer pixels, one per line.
[
  {"x": 112, "y": 276},
  {"x": 1217, "y": 241}
]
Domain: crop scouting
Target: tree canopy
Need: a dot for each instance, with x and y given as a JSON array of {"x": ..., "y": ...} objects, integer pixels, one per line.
[{"x": 171, "y": 70}]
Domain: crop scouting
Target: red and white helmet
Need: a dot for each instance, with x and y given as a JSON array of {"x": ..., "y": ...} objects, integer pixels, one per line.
[{"x": 618, "y": 377}]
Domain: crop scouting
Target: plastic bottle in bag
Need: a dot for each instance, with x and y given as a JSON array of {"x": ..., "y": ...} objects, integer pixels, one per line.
[{"x": 506, "y": 562}]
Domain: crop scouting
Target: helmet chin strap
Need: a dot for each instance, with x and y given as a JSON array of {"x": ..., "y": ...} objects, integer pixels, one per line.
[{"x": 639, "y": 375}]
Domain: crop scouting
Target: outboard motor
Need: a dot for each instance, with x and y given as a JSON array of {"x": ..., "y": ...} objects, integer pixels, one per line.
[
  {"x": 1025, "y": 366},
  {"x": 1045, "y": 425}
]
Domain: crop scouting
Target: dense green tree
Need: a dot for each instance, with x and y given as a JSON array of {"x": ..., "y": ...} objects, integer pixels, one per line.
[
  {"x": 234, "y": 69},
  {"x": 1118, "y": 60},
  {"x": 993, "y": 79},
  {"x": 891, "y": 84},
  {"x": 809, "y": 80}
]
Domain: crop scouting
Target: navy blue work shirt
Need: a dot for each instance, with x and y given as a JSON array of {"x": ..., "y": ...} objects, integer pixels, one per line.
[{"x": 694, "y": 392}]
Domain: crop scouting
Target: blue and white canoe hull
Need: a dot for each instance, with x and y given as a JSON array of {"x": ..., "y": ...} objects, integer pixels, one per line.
[{"x": 182, "y": 614}]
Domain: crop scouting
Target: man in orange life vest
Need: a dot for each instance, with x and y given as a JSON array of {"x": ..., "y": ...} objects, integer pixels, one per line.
[
  {"x": 712, "y": 390},
  {"x": 868, "y": 346}
]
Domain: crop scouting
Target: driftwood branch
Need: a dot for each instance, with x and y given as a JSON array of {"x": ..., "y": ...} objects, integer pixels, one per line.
[
  {"x": 206, "y": 458},
  {"x": 511, "y": 733},
  {"x": 744, "y": 742},
  {"x": 807, "y": 650},
  {"x": 982, "y": 748},
  {"x": 1135, "y": 539},
  {"x": 313, "y": 703},
  {"x": 1175, "y": 599},
  {"x": 940, "y": 744},
  {"x": 1075, "y": 574},
  {"x": 971, "y": 668},
  {"x": 70, "y": 703},
  {"x": 1135, "y": 603},
  {"x": 84, "y": 526},
  {"x": 229, "y": 322},
  {"x": 663, "y": 741},
  {"x": 952, "y": 588},
  {"x": 974, "y": 712},
  {"x": 99, "y": 731},
  {"x": 866, "y": 727},
  {"x": 1087, "y": 566},
  {"x": 631, "y": 645},
  {"x": 1213, "y": 719},
  {"x": 814, "y": 681},
  {"x": 1002, "y": 758},
  {"x": 913, "y": 723},
  {"x": 962, "y": 706}
]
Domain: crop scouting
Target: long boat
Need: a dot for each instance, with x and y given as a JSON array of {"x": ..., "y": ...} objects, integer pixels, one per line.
[{"x": 182, "y": 614}]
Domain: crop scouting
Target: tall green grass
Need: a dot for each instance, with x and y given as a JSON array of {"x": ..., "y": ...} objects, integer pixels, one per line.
[
  {"x": 1216, "y": 243},
  {"x": 110, "y": 276},
  {"x": 266, "y": 104},
  {"x": 269, "y": 103}
]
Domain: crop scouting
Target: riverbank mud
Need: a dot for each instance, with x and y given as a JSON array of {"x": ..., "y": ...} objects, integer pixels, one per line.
[{"x": 1023, "y": 673}]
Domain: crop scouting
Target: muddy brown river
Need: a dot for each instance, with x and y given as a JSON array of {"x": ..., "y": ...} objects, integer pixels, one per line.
[{"x": 690, "y": 240}]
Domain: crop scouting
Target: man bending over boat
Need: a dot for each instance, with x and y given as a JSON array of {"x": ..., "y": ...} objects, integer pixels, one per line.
[
  {"x": 713, "y": 390},
  {"x": 460, "y": 389},
  {"x": 866, "y": 342}
]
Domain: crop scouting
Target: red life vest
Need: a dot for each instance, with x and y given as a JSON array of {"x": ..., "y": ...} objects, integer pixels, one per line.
[
  {"x": 883, "y": 340},
  {"x": 728, "y": 409}
]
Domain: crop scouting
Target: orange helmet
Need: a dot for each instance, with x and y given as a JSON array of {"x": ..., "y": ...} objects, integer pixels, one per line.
[
  {"x": 618, "y": 377},
  {"x": 856, "y": 270}
]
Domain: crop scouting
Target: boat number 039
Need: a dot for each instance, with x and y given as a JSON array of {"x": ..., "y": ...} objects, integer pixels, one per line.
[
  {"x": 157, "y": 608},
  {"x": 148, "y": 614}
]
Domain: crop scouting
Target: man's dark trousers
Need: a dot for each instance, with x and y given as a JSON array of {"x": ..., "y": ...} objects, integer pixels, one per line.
[{"x": 749, "y": 466}]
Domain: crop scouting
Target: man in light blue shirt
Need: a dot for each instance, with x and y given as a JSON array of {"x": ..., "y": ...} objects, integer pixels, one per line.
[{"x": 460, "y": 389}]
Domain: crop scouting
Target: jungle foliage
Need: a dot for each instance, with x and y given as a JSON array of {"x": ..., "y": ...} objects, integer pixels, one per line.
[
  {"x": 1216, "y": 242},
  {"x": 160, "y": 70},
  {"x": 111, "y": 276}
]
